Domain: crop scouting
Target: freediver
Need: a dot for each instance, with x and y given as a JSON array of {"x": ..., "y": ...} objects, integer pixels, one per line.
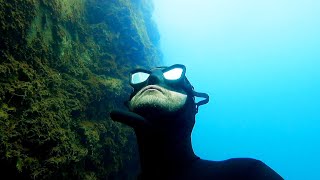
[{"x": 162, "y": 111}]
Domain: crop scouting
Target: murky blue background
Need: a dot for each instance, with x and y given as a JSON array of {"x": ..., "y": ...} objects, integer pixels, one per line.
[{"x": 260, "y": 63}]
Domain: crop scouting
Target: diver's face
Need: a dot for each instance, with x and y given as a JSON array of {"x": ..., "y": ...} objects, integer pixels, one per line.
[{"x": 158, "y": 95}]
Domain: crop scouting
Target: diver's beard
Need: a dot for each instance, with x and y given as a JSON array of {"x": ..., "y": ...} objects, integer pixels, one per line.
[{"x": 154, "y": 104}]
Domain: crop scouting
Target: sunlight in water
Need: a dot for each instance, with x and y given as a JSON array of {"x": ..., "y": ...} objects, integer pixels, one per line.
[{"x": 258, "y": 61}]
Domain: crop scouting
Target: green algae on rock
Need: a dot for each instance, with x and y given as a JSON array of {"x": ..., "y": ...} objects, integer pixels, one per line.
[{"x": 63, "y": 67}]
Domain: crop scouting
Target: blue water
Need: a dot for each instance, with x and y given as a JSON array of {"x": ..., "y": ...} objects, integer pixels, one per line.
[{"x": 260, "y": 63}]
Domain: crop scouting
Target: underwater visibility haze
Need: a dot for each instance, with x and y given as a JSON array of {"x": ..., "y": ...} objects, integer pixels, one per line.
[
  {"x": 259, "y": 62},
  {"x": 64, "y": 65}
]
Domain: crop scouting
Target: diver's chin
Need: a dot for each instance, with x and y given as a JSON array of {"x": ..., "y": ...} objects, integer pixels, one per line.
[
  {"x": 152, "y": 112},
  {"x": 150, "y": 102}
]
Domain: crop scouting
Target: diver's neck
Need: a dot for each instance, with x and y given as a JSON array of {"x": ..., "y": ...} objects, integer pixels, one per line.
[{"x": 164, "y": 150}]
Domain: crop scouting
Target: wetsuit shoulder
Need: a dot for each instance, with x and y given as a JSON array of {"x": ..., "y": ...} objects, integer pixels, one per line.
[
  {"x": 232, "y": 169},
  {"x": 253, "y": 169}
]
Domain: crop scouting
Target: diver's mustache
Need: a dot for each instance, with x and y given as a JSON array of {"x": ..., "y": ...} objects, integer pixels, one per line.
[{"x": 159, "y": 88}]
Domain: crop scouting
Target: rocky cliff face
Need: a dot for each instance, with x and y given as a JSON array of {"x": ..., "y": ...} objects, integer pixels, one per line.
[{"x": 63, "y": 66}]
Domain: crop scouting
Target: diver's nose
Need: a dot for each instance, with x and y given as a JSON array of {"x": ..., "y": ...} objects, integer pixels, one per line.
[{"x": 154, "y": 78}]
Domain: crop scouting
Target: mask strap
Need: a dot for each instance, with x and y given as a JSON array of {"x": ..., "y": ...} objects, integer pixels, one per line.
[{"x": 202, "y": 102}]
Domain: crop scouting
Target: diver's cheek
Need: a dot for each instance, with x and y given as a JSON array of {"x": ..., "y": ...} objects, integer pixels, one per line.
[{"x": 177, "y": 101}]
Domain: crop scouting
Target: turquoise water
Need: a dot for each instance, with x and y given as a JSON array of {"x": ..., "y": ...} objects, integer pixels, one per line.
[{"x": 260, "y": 63}]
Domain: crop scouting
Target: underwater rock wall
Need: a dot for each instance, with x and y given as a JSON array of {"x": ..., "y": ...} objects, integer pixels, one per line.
[{"x": 64, "y": 66}]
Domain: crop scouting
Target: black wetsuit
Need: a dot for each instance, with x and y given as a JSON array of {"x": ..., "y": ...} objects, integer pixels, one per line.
[
  {"x": 166, "y": 153},
  {"x": 232, "y": 169}
]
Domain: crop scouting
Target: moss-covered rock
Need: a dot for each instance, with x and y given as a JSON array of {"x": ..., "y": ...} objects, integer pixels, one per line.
[{"x": 63, "y": 68}]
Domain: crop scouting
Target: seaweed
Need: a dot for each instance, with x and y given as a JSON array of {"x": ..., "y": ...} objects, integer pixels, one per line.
[{"x": 63, "y": 68}]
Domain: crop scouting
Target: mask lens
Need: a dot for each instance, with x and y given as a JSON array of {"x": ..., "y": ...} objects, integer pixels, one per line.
[
  {"x": 173, "y": 74},
  {"x": 139, "y": 77}
]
